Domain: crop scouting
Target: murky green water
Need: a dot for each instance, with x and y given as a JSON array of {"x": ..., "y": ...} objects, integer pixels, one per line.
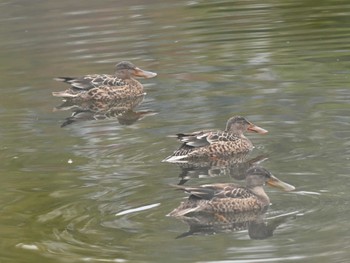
[{"x": 97, "y": 191}]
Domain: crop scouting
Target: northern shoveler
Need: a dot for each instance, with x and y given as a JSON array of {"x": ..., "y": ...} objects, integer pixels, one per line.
[
  {"x": 103, "y": 87},
  {"x": 229, "y": 197},
  {"x": 216, "y": 143}
]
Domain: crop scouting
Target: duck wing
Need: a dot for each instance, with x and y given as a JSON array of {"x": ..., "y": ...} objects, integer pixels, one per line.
[
  {"x": 195, "y": 139},
  {"x": 217, "y": 191},
  {"x": 204, "y": 138},
  {"x": 92, "y": 81}
]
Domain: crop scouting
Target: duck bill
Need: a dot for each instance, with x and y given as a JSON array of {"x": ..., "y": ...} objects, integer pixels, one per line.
[
  {"x": 143, "y": 73},
  {"x": 257, "y": 129},
  {"x": 275, "y": 182}
]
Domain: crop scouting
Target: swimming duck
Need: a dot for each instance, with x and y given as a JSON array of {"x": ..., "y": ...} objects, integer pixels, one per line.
[
  {"x": 216, "y": 143},
  {"x": 103, "y": 87},
  {"x": 229, "y": 197}
]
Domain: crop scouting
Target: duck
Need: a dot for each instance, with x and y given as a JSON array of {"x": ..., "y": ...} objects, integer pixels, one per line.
[
  {"x": 215, "y": 143},
  {"x": 104, "y": 87},
  {"x": 230, "y": 197}
]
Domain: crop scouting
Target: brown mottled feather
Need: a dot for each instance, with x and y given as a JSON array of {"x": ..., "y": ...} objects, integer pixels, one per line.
[{"x": 223, "y": 198}]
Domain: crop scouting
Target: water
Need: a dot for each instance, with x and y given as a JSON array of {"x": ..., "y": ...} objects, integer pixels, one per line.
[{"x": 97, "y": 191}]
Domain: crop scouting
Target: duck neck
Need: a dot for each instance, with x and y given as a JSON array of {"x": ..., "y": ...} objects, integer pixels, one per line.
[
  {"x": 260, "y": 193},
  {"x": 122, "y": 74},
  {"x": 235, "y": 133}
]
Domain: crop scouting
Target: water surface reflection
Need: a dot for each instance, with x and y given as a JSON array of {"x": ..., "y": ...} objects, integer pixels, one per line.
[
  {"x": 97, "y": 191},
  {"x": 258, "y": 226},
  {"x": 122, "y": 110},
  {"x": 234, "y": 167}
]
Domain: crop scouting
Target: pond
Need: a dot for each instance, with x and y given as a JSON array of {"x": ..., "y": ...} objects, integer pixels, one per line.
[{"x": 96, "y": 189}]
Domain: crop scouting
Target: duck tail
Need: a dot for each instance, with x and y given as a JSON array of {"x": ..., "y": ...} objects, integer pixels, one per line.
[
  {"x": 64, "y": 94},
  {"x": 64, "y": 79},
  {"x": 176, "y": 159},
  {"x": 180, "y": 212}
]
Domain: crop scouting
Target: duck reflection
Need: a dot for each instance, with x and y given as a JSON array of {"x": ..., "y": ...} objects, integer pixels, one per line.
[
  {"x": 223, "y": 207},
  {"x": 234, "y": 167},
  {"x": 258, "y": 226},
  {"x": 122, "y": 110}
]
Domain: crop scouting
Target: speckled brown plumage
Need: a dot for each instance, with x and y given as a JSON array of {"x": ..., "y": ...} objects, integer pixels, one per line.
[
  {"x": 216, "y": 143},
  {"x": 229, "y": 197},
  {"x": 214, "y": 223},
  {"x": 224, "y": 198},
  {"x": 103, "y": 87}
]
